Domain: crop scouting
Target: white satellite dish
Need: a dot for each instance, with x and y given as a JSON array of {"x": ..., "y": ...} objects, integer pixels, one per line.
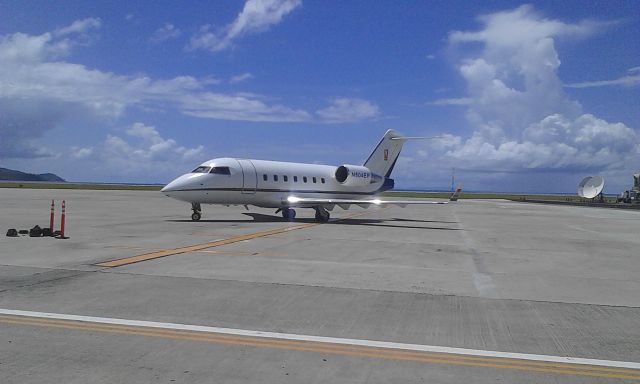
[{"x": 590, "y": 186}]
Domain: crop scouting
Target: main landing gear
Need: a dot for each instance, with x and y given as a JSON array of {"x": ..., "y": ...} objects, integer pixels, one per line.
[
  {"x": 322, "y": 215},
  {"x": 197, "y": 211},
  {"x": 288, "y": 213}
]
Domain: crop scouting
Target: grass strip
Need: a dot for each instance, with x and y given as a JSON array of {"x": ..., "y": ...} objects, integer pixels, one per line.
[{"x": 424, "y": 195}]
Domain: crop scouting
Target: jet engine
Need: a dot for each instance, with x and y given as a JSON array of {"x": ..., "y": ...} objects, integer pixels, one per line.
[{"x": 354, "y": 175}]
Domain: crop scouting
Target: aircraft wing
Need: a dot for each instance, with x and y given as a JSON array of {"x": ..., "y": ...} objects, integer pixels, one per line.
[{"x": 364, "y": 203}]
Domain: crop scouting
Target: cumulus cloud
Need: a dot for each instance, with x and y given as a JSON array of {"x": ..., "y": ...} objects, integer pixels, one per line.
[
  {"x": 38, "y": 91},
  {"x": 555, "y": 143},
  {"x": 22, "y": 48},
  {"x": 138, "y": 153},
  {"x": 150, "y": 146},
  {"x": 515, "y": 102},
  {"x": 256, "y": 16},
  {"x": 345, "y": 110},
  {"x": 81, "y": 152},
  {"x": 166, "y": 32},
  {"x": 144, "y": 153}
]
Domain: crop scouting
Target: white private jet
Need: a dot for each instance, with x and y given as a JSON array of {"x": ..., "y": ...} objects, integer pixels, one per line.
[{"x": 285, "y": 186}]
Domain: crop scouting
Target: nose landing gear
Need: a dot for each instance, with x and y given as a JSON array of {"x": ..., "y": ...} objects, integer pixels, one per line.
[
  {"x": 197, "y": 211},
  {"x": 288, "y": 213},
  {"x": 322, "y": 215}
]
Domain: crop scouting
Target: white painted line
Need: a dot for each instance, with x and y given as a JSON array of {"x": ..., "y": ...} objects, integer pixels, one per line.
[{"x": 322, "y": 339}]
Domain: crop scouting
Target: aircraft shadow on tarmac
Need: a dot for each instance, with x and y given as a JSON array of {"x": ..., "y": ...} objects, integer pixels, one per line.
[{"x": 259, "y": 217}]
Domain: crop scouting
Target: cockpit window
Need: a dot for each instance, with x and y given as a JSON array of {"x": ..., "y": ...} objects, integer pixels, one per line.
[
  {"x": 221, "y": 170},
  {"x": 201, "y": 169}
]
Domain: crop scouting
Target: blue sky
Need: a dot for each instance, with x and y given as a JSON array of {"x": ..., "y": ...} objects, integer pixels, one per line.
[{"x": 529, "y": 97}]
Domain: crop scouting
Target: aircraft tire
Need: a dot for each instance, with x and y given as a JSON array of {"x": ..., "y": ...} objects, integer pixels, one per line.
[
  {"x": 288, "y": 213},
  {"x": 196, "y": 216},
  {"x": 322, "y": 216}
]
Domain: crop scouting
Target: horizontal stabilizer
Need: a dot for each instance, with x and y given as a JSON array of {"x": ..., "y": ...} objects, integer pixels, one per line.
[{"x": 416, "y": 137}]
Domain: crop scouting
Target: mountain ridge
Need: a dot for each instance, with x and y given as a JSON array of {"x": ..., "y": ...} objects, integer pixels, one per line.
[{"x": 13, "y": 175}]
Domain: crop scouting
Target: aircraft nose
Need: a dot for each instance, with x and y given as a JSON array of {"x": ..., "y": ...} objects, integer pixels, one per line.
[
  {"x": 167, "y": 188},
  {"x": 178, "y": 187},
  {"x": 171, "y": 187}
]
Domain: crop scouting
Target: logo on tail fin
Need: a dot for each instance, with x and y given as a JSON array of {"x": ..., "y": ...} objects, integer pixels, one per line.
[{"x": 386, "y": 155}]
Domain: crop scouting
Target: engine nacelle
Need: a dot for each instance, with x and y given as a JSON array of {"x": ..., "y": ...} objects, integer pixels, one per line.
[{"x": 354, "y": 175}]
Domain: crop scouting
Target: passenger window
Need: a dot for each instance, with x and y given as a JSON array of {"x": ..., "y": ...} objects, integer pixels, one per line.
[
  {"x": 314, "y": 180},
  {"x": 275, "y": 177},
  {"x": 322, "y": 180},
  {"x": 221, "y": 170},
  {"x": 201, "y": 169},
  {"x": 295, "y": 179},
  {"x": 285, "y": 178},
  {"x": 264, "y": 177},
  {"x": 304, "y": 179}
]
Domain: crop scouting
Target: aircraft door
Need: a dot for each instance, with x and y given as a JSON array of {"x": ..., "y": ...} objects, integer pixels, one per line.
[{"x": 249, "y": 176}]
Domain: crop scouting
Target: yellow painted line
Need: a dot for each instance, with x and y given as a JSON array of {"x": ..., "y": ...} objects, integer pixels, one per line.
[
  {"x": 131, "y": 247},
  {"x": 211, "y": 244},
  {"x": 149, "y": 249},
  {"x": 334, "y": 348},
  {"x": 198, "y": 247}
]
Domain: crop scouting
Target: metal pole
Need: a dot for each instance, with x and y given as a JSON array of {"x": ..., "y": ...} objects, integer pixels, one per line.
[{"x": 453, "y": 178}]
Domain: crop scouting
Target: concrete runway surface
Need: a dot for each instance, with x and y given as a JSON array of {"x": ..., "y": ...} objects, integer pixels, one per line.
[{"x": 475, "y": 291}]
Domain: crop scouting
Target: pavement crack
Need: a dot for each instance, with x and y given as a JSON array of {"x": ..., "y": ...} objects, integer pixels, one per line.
[
  {"x": 39, "y": 282},
  {"x": 120, "y": 272}
]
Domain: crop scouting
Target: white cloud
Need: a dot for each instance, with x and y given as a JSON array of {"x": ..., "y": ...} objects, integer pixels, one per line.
[
  {"x": 237, "y": 107},
  {"x": 521, "y": 118},
  {"x": 526, "y": 133},
  {"x": 241, "y": 77},
  {"x": 147, "y": 154},
  {"x": 38, "y": 91},
  {"x": 452, "y": 101},
  {"x": 555, "y": 143},
  {"x": 346, "y": 110},
  {"x": 256, "y": 16},
  {"x": 79, "y": 27},
  {"x": 152, "y": 145},
  {"x": 166, "y": 32},
  {"x": 523, "y": 25},
  {"x": 631, "y": 79},
  {"x": 81, "y": 152}
]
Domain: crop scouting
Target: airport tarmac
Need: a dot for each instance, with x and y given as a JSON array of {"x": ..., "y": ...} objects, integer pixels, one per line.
[{"x": 470, "y": 292}]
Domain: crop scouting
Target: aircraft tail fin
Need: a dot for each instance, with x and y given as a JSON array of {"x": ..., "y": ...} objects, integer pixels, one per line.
[{"x": 384, "y": 156}]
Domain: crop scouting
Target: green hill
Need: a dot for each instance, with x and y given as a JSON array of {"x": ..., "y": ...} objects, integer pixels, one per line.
[{"x": 10, "y": 174}]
